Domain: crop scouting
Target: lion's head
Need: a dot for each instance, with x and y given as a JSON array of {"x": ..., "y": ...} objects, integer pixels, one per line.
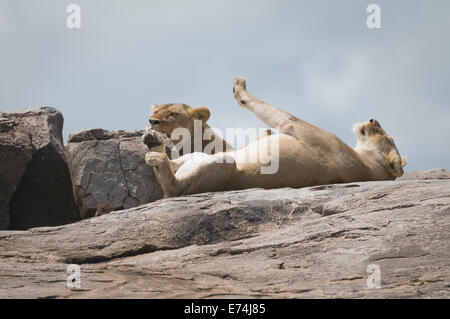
[
  {"x": 165, "y": 121},
  {"x": 168, "y": 117},
  {"x": 372, "y": 138}
]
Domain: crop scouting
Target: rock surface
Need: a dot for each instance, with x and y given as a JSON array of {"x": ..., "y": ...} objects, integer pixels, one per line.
[
  {"x": 35, "y": 187},
  {"x": 437, "y": 173},
  {"x": 313, "y": 242},
  {"x": 109, "y": 171}
]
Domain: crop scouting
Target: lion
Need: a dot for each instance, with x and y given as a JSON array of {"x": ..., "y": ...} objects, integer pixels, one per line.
[{"x": 306, "y": 155}]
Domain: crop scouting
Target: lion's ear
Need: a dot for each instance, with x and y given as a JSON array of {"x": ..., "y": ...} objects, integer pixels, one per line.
[
  {"x": 403, "y": 161},
  {"x": 200, "y": 113},
  {"x": 154, "y": 107}
]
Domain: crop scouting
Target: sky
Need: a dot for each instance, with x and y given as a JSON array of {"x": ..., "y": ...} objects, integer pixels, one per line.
[{"x": 316, "y": 59}]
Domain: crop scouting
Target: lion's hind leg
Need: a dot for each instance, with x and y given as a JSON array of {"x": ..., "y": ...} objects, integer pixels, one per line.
[{"x": 269, "y": 114}]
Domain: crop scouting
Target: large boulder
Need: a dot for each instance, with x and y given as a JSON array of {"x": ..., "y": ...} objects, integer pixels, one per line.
[
  {"x": 109, "y": 171},
  {"x": 15, "y": 153},
  {"x": 325, "y": 241},
  {"x": 35, "y": 187}
]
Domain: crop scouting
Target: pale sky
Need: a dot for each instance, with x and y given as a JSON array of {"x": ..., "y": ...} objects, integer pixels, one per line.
[{"x": 314, "y": 59}]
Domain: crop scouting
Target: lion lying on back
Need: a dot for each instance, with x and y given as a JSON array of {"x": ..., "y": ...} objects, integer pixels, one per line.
[{"x": 306, "y": 155}]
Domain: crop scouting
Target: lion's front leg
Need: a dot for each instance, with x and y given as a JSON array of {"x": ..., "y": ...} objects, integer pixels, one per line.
[{"x": 163, "y": 172}]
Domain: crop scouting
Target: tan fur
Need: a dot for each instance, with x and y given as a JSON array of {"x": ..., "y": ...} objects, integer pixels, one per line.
[
  {"x": 307, "y": 155},
  {"x": 168, "y": 117}
]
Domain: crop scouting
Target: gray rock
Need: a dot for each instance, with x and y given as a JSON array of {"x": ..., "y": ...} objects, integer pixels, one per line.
[
  {"x": 284, "y": 243},
  {"x": 109, "y": 171},
  {"x": 35, "y": 187},
  {"x": 15, "y": 154},
  {"x": 437, "y": 173}
]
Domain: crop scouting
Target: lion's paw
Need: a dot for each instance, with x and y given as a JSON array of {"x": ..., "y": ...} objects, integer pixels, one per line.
[
  {"x": 240, "y": 91},
  {"x": 151, "y": 138},
  {"x": 240, "y": 83},
  {"x": 155, "y": 159}
]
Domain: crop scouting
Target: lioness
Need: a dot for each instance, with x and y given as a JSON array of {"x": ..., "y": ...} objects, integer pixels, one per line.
[{"x": 307, "y": 155}]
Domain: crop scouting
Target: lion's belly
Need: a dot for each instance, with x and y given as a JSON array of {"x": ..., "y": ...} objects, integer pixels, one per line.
[{"x": 299, "y": 165}]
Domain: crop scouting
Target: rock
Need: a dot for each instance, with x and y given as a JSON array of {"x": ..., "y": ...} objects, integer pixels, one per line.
[
  {"x": 315, "y": 242},
  {"x": 437, "y": 173},
  {"x": 35, "y": 187},
  {"x": 15, "y": 153},
  {"x": 109, "y": 171}
]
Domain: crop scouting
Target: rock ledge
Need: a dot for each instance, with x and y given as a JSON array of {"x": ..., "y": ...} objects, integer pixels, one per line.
[{"x": 314, "y": 242}]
